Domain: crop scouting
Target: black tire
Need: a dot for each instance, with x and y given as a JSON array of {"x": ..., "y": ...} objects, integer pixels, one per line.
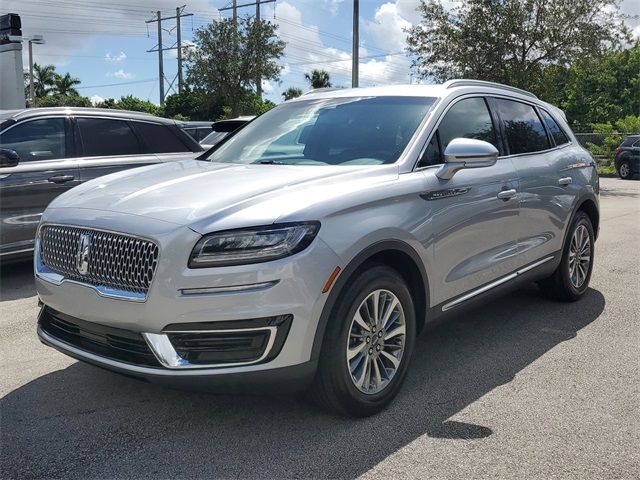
[
  {"x": 624, "y": 170},
  {"x": 560, "y": 286},
  {"x": 333, "y": 387}
]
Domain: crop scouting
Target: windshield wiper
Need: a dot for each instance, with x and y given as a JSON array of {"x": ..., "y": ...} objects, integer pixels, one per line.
[{"x": 270, "y": 162}]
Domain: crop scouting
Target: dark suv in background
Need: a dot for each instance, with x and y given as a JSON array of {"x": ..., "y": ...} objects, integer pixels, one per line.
[
  {"x": 46, "y": 151},
  {"x": 627, "y": 160}
]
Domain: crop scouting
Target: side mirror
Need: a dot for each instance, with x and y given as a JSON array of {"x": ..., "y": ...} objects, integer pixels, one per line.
[
  {"x": 466, "y": 153},
  {"x": 8, "y": 158}
]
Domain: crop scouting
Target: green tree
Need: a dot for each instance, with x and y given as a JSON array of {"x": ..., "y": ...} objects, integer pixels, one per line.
[
  {"x": 43, "y": 79},
  {"x": 228, "y": 59},
  {"x": 134, "y": 104},
  {"x": 510, "y": 41},
  {"x": 318, "y": 79},
  {"x": 597, "y": 89},
  {"x": 55, "y": 100},
  {"x": 193, "y": 104},
  {"x": 64, "y": 85},
  {"x": 613, "y": 134},
  {"x": 291, "y": 92}
]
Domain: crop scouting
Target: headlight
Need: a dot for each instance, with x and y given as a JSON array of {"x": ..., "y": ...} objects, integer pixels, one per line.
[{"x": 252, "y": 245}]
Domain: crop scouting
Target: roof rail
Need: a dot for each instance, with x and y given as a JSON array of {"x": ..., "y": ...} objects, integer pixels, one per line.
[
  {"x": 323, "y": 89},
  {"x": 483, "y": 83}
]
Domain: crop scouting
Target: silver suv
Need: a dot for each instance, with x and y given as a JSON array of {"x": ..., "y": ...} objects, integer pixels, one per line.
[{"x": 309, "y": 249}]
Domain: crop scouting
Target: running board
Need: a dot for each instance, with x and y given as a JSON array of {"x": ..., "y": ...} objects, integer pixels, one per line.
[{"x": 496, "y": 283}]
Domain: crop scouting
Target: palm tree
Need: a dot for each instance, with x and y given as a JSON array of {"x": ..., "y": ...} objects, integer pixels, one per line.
[
  {"x": 318, "y": 79},
  {"x": 63, "y": 85},
  {"x": 291, "y": 92},
  {"x": 43, "y": 79}
]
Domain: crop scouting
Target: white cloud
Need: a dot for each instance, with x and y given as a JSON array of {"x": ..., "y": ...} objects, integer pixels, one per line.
[
  {"x": 71, "y": 28},
  {"x": 636, "y": 32},
  {"x": 332, "y": 5},
  {"x": 121, "y": 74},
  {"x": 95, "y": 99},
  {"x": 186, "y": 46},
  {"x": 117, "y": 58},
  {"x": 267, "y": 87}
]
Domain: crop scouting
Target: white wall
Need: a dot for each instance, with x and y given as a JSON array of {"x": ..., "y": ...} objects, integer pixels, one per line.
[{"x": 11, "y": 77}]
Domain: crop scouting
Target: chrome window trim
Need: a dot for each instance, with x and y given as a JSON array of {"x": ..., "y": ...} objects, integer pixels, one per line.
[
  {"x": 44, "y": 273},
  {"x": 455, "y": 100},
  {"x": 166, "y": 354}
]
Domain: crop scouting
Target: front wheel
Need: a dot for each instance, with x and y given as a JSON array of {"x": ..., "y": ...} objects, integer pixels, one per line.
[
  {"x": 571, "y": 279},
  {"x": 367, "y": 345}
]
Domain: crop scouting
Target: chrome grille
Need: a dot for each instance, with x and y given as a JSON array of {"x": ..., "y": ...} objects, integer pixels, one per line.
[{"x": 116, "y": 261}]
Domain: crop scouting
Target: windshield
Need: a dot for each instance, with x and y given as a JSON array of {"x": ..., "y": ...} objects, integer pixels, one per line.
[{"x": 335, "y": 131}]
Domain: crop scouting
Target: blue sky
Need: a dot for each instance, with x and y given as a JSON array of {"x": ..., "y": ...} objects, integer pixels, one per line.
[{"x": 105, "y": 44}]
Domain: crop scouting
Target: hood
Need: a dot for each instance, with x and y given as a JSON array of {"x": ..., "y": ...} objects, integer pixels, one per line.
[{"x": 190, "y": 192}]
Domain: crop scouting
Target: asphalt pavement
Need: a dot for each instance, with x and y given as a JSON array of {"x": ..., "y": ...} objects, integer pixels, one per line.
[{"x": 520, "y": 388}]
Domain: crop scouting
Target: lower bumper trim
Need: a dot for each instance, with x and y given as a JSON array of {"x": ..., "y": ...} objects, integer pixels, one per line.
[{"x": 275, "y": 380}]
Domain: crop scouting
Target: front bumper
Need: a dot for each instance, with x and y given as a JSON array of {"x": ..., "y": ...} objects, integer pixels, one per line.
[
  {"x": 276, "y": 380},
  {"x": 209, "y": 298}
]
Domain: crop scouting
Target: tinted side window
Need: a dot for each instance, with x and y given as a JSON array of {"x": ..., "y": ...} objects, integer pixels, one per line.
[
  {"x": 524, "y": 130},
  {"x": 159, "y": 138},
  {"x": 36, "y": 140},
  {"x": 101, "y": 136},
  {"x": 468, "y": 118},
  {"x": 556, "y": 132}
]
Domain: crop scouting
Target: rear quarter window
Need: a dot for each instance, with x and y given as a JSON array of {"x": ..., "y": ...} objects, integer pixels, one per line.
[
  {"x": 159, "y": 138},
  {"x": 554, "y": 129}
]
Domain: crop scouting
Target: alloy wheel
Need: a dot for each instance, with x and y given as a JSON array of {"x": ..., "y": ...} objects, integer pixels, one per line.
[
  {"x": 624, "y": 170},
  {"x": 376, "y": 341},
  {"x": 579, "y": 256}
]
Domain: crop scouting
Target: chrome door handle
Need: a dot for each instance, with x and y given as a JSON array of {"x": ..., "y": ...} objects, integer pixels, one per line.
[
  {"x": 61, "y": 178},
  {"x": 565, "y": 181},
  {"x": 507, "y": 194}
]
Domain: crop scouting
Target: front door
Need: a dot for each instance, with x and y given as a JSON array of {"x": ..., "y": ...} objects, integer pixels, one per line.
[
  {"x": 473, "y": 217},
  {"x": 43, "y": 173}
]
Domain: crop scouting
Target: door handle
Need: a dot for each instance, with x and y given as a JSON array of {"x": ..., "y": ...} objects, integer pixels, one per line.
[
  {"x": 61, "y": 178},
  {"x": 507, "y": 194},
  {"x": 565, "y": 181}
]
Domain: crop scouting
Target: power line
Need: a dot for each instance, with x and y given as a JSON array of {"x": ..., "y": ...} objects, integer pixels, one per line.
[{"x": 160, "y": 48}]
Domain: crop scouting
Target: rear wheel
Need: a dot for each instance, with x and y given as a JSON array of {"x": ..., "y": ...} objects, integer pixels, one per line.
[
  {"x": 367, "y": 345},
  {"x": 624, "y": 171},
  {"x": 571, "y": 279}
]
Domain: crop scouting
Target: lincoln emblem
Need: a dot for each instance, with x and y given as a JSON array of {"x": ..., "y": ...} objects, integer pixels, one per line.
[{"x": 82, "y": 253}]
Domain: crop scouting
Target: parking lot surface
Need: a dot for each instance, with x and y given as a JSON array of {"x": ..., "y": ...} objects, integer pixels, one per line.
[{"x": 523, "y": 387}]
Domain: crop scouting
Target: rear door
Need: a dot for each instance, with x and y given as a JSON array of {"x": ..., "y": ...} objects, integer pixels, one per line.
[
  {"x": 46, "y": 169},
  {"x": 546, "y": 191},
  {"x": 109, "y": 145}
]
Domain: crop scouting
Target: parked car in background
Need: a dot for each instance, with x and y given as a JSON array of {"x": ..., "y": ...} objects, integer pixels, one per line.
[
  {"x": 627, "y": 161},
  {"x": 198, "y": 130},
  {"x": 222, "y": 129},
  {"x": 46, "y": 151},
  {"x": 312, "y": 246}
]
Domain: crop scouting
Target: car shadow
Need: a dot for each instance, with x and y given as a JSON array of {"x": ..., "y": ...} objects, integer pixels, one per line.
[
  {"x": 16, "y": 281},
  {"x": 83, "y": 422}
]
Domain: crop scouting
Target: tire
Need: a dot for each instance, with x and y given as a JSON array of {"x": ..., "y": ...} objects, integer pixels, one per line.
[
  {"x": 624, "y": 170},
  {"x": 335, "y": 387},
  {"x": 569, "y": 283}
]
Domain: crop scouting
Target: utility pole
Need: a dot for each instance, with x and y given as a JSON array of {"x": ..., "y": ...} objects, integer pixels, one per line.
[
  {"x": 356, "y": 42},
  {"x": 38, "y": 40},
  {"x": 259, "y": 77},
  {"x": 160, "y": 48},
  {"x": 160, "y": 62},
  {"x": 179, "y": 44},
  {"x": 234, "y": 6}
]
